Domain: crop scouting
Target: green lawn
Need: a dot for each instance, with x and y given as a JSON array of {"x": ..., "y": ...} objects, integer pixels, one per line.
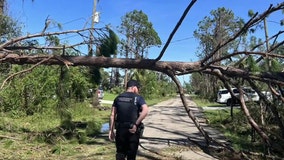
[{"x": 110, "y": 96}]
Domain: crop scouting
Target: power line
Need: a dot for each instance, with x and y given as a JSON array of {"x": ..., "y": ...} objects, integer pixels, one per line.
[{"x": 184, "y": 39}]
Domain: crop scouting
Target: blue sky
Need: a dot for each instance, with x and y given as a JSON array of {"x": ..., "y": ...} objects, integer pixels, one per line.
[{"x": 164, "y": 14}]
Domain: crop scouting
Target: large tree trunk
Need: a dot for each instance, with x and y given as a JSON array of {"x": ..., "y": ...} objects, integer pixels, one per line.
[{"x": 210, "y": 65}]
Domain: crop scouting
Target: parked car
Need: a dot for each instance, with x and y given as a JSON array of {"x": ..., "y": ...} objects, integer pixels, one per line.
[
  {"x": 99, "y": 91},
  {"x": 268, "y": 95},
  {"x": 224, "y": 96}
]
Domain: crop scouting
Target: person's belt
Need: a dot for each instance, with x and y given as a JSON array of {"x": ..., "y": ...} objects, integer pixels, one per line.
[{"x": 124, "y": 124}]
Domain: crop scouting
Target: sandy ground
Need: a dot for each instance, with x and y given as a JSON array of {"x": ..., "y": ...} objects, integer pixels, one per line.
[{"x": 168, "y": 126}]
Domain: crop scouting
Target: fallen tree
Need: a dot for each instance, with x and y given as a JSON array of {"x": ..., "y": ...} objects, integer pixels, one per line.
[{"x": 12, "y": 53}]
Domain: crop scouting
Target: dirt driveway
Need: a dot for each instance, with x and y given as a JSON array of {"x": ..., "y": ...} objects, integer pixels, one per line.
[{"x": 167, "y": 128}]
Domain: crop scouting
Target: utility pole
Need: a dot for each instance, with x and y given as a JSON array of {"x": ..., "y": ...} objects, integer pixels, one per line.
[
  {"x": 94, "y": 19},
  {"x": 95, "y": 99},
  {"x": 267, "y": 43}
]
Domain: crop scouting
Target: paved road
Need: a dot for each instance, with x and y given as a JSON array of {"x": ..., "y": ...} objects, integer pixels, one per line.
[
  {"x": 167, "y": 125},
  {"x": 102, "y": 101}
]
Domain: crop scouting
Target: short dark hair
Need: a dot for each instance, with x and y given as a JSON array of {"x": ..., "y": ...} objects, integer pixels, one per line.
[{"x": 132, "y": 83}]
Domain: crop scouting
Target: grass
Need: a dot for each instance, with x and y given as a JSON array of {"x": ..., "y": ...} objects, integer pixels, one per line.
[
  {"x": 150, "y": 102},
  {"x": 18, "y": 135},
  {"x": 24, "y": 137},
  {"x": 109, "y": 96},
  {"x": 236, "y": 128},
  {"x": 201, "y": 102}
]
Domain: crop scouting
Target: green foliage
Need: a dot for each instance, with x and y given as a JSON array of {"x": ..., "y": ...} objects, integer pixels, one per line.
[
  {"x": 273, "y": 65},
  {"x": 105, "y": 80},
  {"x": 250, "y": 13},
  {"x": 108, "y": 45},
  {"x": 212, "y": 31},
  {"x": 240, "y": 132},
  {"x": 215, "y": 29},
  {"x": 9, "y": 28},
  {"x": 68, "y": 129},
  {"x": 195, "y": 83},
  {"x": 237, "y": 130},
  {"x": 5, "y": 68},
  {"x": 188, "y": 87},
  {"x": 35, "y": 91},
  {"x": 57, "y": 149},
  {"x": 8, "y": 143},
  {"x": 93, "y": 128},
  {"x": 252, "y": 65},
  {"x": 31, "y": 93},
  {"x": 44, "y": 130},
  {"x": 117, "y": 90},
  {"x": 52, "y": 40},
  {"x": 204, "y": 102},
  {"x": 95, "y": 75},
  {"x": 7, "y": 125},
  {"x": 140, "y": 34},
  {"x": 153, "y": 84},
  {"x": 82, "y": 137},
  {"x": 276, "y": 66},
  {"x": 49, "y": 127}
]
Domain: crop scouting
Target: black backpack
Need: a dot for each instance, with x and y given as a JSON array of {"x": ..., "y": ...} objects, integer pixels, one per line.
[{"x": 127, "y": 108}]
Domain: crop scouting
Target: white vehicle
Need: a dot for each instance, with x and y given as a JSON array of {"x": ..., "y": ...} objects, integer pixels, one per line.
[
  {"x": 224, "y": 96},
  {"x": 268, "y": 95}
]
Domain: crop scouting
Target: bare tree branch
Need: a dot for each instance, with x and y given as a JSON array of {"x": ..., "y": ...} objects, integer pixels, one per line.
[
  {"x": 209, "y": 140},
  {"x": 23, "y": 71},
  {"x": 175, "y": 29},
  {"x": 29, "y": 36},
  {"x": 253, "y": 21}
]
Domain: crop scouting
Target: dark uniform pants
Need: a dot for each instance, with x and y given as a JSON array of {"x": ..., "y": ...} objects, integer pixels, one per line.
[{"x": 126, "y": 144}]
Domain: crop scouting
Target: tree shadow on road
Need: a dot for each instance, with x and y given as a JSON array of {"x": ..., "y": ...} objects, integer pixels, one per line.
[{"x": 172, "y": 126}]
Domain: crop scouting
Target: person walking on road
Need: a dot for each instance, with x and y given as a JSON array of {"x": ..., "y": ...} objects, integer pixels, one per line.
[{"x": 128, "y": 111}]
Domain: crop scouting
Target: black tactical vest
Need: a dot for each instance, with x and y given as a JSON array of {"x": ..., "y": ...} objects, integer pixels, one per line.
[{"x": 127, "y": 108}]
